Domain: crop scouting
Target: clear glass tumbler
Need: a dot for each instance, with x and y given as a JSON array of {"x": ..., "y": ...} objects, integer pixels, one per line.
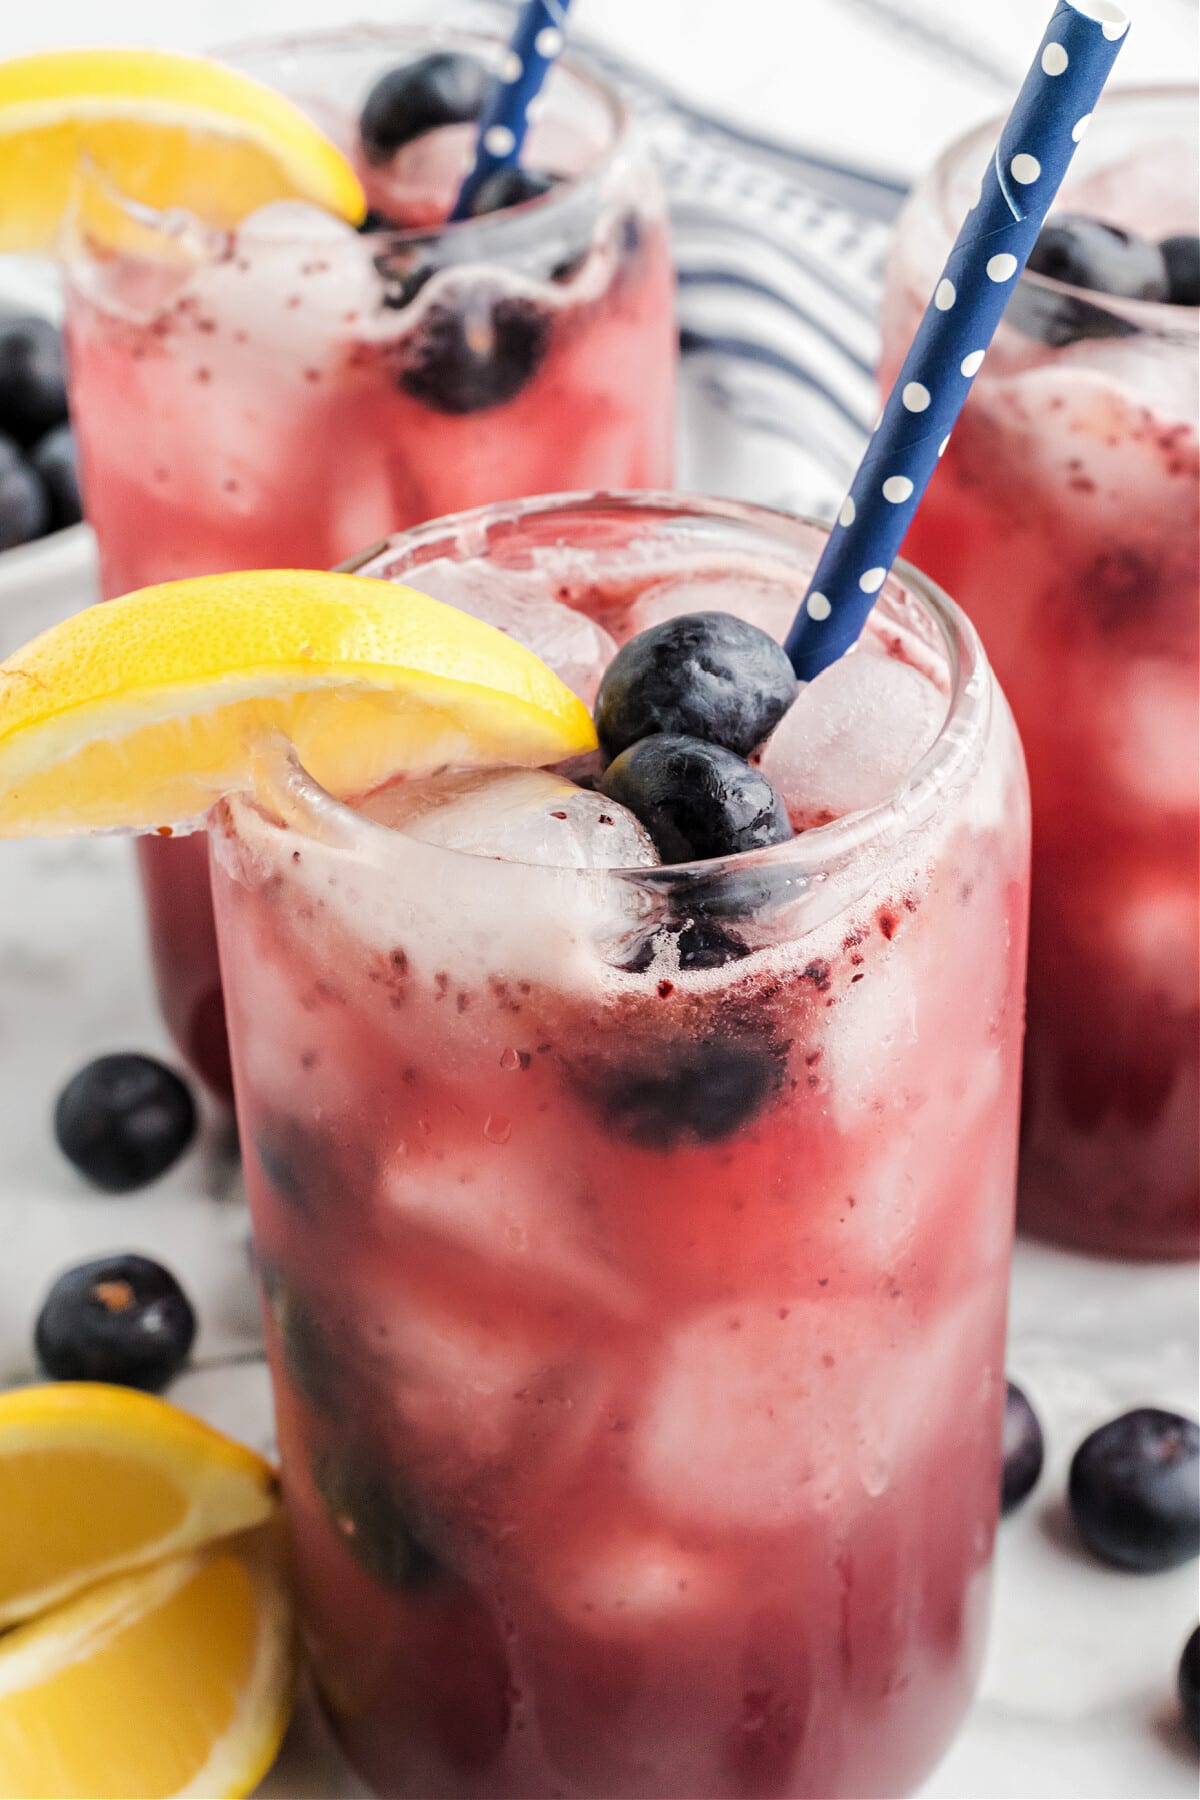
[
  {"x": 284, "y": 393},
  {"x": 634, "y": 1244},
  {"x": 1063, "y": 518}
]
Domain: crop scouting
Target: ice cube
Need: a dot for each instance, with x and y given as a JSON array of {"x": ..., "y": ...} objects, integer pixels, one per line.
[
  {"x": 542, "y": 1235},
  {"x": 517, "y": 815},
  {"x": 619, "y": 1583},
  {"x": 766, "y": 1411},
  {"x": 771, "y": 605},
  {"x": 574, "y": 646},
  {"x": 294, "y": 222},
  {"x": 851, "y": 737}
]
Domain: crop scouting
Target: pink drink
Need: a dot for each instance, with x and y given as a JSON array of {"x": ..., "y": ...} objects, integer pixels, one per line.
[
  {"x": 1064, "y": 517},
  {"x": 286, "y": 393},
  {"x": 635, "y": 1244}
]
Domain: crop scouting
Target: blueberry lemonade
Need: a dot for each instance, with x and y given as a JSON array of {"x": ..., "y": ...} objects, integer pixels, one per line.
[
  {"x": 631, "y": 1150},
  {"x": 284, "y": 392},
  {"x": 1064, "y": 518}
]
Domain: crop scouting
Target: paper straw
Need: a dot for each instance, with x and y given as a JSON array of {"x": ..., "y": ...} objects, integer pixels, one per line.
[
  {"x": 1037, "y": 143},
  {"x": 533, "y": 49}
]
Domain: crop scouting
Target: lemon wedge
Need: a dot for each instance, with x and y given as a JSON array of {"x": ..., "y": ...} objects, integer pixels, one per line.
[
  {"x": 97, "y": 1479},
  {"x": 140, "y": 712},
  {"x": 166, "y": 130},
  {"x": 178, "y": 1679}
]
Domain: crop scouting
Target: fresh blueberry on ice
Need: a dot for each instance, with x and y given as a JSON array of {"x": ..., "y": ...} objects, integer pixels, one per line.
[
  {"x": 1024, "y": 1449},
  {"x": 477, "y": 353},
  {"x": 701, "y": 675},
  {"x": 511, "y": 185},
  {"x": 33, "y": 378},
  {"x": 1182, "y": 257},
  {"x": 372, "y": 1513},
  {"x": 1189, "y": 1684},
  {"x": 443, "y": 88},
  {"x": 696, "y": 800},
  {"x": 123, "y": 1120},
  {"x": 1134, "y": 1490},
  {"x": 122, "y": 1319},
  {"x": 54, "y": 459},
  {"x": 1086, "y": 253},
  {"x": 24, "y": 502},
  {"x": 690, "y": 1094}
]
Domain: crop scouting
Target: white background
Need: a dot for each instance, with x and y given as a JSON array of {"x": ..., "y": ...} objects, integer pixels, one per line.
[{"x": 844, "y": 76}]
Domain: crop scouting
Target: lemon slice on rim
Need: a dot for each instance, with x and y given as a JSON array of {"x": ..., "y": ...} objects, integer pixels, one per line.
[
  {"x": 176, "y": 1680},
  {"x": 166, "y": 130},
  {"x": 140, "y": 712},
  {"x": 103, "y": 1479}
]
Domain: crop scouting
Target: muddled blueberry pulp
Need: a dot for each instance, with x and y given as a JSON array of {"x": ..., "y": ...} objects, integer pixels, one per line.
[
  {"x": 478, "y": 345},
  {"x": 1077, "y": 251},
  {"x": 39, "y": 485}
]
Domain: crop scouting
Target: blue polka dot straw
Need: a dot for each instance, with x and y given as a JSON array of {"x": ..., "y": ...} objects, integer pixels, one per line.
[
  {"x": 1037, "y": 143},
  {"x": 533, "y": 49}
]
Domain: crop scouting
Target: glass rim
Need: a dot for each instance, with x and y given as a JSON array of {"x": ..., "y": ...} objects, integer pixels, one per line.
[
  {"x": 493, "y": 226},
  {"x": 1162, "y": 318},
  {"x": 287, "y": 795}
]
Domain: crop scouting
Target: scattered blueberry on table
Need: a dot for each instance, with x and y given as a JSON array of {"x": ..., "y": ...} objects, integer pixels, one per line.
[
  {"x": 1024, "y": 1449},
  {"x": 1134, "y": 1490},
  {"x": 39, "y": 487},
  {"x": 123, "y": 1120},
  {"x": 121, "y": 1319}
]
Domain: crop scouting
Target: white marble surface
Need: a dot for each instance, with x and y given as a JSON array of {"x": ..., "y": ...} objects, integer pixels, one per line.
[{"x": 1077, "y": 1693}]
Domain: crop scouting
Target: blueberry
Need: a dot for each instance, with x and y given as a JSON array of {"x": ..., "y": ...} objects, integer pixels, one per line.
[
  {"x": 511, "y": 185},
  {"x": 33, "y": 378},
  {"x": 443, "y": 88},
  {"x": 691, "y": 1094},
  {"x": 123, "y": 1319},
  {"x": 1182, "y": 257},
  {"x": 476, "y": 354},
  {"x": 1134, "y": 1490},
  {"x": 1189, "y": 1684},
  {"x": 1086, "y": 253},
  {"x": 696, "y": 800},
  {"x": 371, "y": 1511},
  {"x": 24, "y": 502},
  {"x": 1024, "y": 1449},
  {"x": 702, "y": 675},
  {"x": 54, "y": 459},
  {"x": 123, "y": 1120}
]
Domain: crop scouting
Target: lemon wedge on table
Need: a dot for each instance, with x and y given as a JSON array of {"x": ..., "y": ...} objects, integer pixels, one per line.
[
  {"x": 95, "y": 1480},
  {"x": 178, "y": 1679},
  {"x": 140, "y": 712},
  {"x": 166, "y": 130},
  {"x": 150, "y": 1647}
]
